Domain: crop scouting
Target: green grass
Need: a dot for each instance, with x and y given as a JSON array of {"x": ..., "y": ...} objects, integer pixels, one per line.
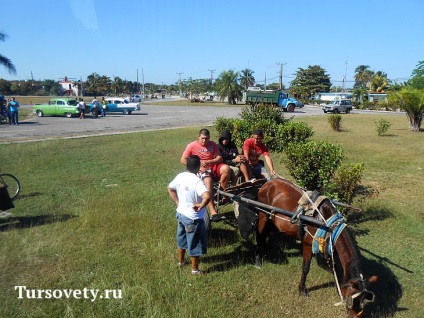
[{"x": 95, "y": 213}]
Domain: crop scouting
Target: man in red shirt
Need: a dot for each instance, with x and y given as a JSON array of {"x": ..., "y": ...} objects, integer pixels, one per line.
[
  {"x": 253, "y": 148},
  {"x": 211, "y": 166}
]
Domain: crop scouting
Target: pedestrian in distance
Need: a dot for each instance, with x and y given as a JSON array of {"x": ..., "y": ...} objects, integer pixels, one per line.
[
  {"x": 96, "y": 108},
  {"x": 104, "y": 106},
  {"x": 82, "y": 107},
  {"x": 13, "y": 109},
  {"x": 191, "y": 197}
]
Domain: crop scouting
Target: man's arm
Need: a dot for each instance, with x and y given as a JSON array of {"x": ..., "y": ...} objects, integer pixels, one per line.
[
  {"x": 206, "y": 197},
  {"x": 173, "y": 195},
  {"x": 211, "y": 162},
  {"x": 186, "y": 153},
  {"x": 270, "y": 164}
]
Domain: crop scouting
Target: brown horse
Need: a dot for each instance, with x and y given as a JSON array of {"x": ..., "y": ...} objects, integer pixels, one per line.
[{"x": 285, "y": 195}]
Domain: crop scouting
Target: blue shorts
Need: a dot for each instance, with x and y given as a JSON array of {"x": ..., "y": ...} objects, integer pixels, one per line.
[{"x": 191, "y": 235}]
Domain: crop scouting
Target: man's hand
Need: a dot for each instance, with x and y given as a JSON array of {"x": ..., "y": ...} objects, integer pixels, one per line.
[{"x": 197, "y": 207}]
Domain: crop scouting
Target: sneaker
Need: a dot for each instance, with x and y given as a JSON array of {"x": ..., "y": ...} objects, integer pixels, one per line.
[
  {"x": 198, "y": 272},
  {"x": 5, "y": 214},
  {"x": 252, "y": 180},
  {"x": 217, "y": 217}
]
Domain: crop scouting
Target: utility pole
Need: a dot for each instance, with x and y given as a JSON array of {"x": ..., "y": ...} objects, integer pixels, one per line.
[
  {"x": 137, "y": 84},
  {"x": 32, "y": 82},
  {"x": 281, "y": 74},
  {"x": 181, "y": 93},
  {"x": 344, "y": 78},
  {"x": 212, "y": 71},
  {"x": 142, "y": 78}
]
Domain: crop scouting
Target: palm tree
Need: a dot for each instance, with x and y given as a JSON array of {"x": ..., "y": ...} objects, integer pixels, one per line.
[
  {"x": 362, "y": 76},
  {"x": 4, "y": 60},
  {"x": 117, "y": 85},
  {"x": 227, "y": 86},
  {"x": 93, "y": 83},
  {"x": 246, "y": 78},
  {"x": 411, "y": 100},
  {"x": 379, "y": 82},
  {"x": 359, "y": 93}
]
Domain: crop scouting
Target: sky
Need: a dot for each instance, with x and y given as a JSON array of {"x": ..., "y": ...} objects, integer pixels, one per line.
[{"x": 160, "y": 42}]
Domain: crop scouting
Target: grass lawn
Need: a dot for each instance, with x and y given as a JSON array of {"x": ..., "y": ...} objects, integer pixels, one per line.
[{"x": 94, "y": 213}]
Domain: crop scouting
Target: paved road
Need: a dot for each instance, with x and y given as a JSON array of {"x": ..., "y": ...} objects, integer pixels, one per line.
[{"x": 151, "y": 117}]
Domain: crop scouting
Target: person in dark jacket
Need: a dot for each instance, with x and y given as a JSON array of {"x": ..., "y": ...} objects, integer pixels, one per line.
[{"x": 231, "y": 157}]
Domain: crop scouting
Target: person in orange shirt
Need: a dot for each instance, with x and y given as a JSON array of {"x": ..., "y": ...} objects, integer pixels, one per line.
[
  {"x": 211, "y": 166},
  {"x": 253, "y": 148}
]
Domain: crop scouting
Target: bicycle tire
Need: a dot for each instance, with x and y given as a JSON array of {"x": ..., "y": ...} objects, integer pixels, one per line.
[{"x": 12, "y": 184}]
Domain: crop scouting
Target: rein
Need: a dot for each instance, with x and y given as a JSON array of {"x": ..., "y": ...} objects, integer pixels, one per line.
[{"x": 334, "y": 227}]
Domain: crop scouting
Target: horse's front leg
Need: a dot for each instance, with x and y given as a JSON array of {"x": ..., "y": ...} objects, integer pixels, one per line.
[{"x": 306, "y": 264}]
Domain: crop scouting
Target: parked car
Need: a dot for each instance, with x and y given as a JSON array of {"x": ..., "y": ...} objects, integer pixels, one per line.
[
  {"x": 337, "y": 106},
  {"x": 118, "y": 104},
  {"x": 58, "y": 107},
  {"x": 136, "y": 98}
]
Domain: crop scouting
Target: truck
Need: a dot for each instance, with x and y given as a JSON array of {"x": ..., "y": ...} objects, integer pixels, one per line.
[{"x": 275, "y": 98}]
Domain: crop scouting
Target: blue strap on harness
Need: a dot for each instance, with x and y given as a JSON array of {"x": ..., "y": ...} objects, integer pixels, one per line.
[{"x": 322, "y": 232}]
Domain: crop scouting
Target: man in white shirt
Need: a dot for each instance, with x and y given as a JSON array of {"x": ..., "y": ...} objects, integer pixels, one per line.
[{"x": 191, "y": 196}]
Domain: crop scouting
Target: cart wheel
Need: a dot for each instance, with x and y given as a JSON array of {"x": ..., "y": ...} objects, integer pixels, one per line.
[
  {"x": 208, "y": 224},
  {"x": 12, "y": 184}
]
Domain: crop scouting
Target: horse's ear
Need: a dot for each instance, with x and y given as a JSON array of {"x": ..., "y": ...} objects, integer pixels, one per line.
[{"x": 373, "y": 279}]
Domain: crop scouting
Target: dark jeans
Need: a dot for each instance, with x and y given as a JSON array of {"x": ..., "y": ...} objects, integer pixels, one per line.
[{"x": 14, "y": 118}]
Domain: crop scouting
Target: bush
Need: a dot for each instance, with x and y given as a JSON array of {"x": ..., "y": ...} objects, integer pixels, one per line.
[
  {"x": 291, "y": 132},
  {"x": 313, "y": 164},
  {"x": 382, "y": 126},
  {"x": 345, "y": 182},
  {"x": 335, "y": 121}
]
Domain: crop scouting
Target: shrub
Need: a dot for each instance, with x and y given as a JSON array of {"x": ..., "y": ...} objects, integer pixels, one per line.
[
  {"x": 222, "y": 123},
  {"x": 345, "y": 182},
  {"x": 313, "y": 164},
  {"x": 291, "y": 132},
  {"x": 335, "y": 121},
  {"x": 382, "y": 126},
  {"x": 267, "y": 118}
]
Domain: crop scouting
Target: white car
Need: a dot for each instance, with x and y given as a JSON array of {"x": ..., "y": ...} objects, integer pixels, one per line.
[
  {"x": 135, "y": 98},
  {"x": 337, "y": 106},
  {"x": 118, "y": 104}
]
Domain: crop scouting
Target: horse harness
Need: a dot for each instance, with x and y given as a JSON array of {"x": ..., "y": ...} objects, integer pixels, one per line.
[{"x": 325, "y": 238}]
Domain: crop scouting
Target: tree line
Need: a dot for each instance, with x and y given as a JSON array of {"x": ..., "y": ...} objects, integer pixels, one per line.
[{"x": 230, "y": 85}]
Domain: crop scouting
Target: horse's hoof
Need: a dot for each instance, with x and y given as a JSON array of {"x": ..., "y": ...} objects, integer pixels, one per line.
[
  {"x": 304, "y": 292},
  {"x": 258, "y": 264}
]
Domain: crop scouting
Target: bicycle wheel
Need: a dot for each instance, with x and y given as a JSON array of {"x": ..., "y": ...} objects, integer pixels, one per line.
[{"x": 12, "y": 184}]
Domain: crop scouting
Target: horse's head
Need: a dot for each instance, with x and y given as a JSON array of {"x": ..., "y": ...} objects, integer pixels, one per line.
[{"x": 356, "y": 295}]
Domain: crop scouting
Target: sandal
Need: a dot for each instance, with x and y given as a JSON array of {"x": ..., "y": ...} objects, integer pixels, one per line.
[
  {"x": 217, "y": 217},
  {"x": 182, "y": 264}
]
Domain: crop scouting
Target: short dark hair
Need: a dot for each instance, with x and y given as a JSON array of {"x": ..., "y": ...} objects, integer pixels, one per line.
[
  {"x": 193, "y": 163},
  {"x": 205, "y": 132},
  {"x": 258, "y": 132}
]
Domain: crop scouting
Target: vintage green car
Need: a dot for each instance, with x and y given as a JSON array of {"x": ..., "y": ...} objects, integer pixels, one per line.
[{"x": 58, "y": 107}]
